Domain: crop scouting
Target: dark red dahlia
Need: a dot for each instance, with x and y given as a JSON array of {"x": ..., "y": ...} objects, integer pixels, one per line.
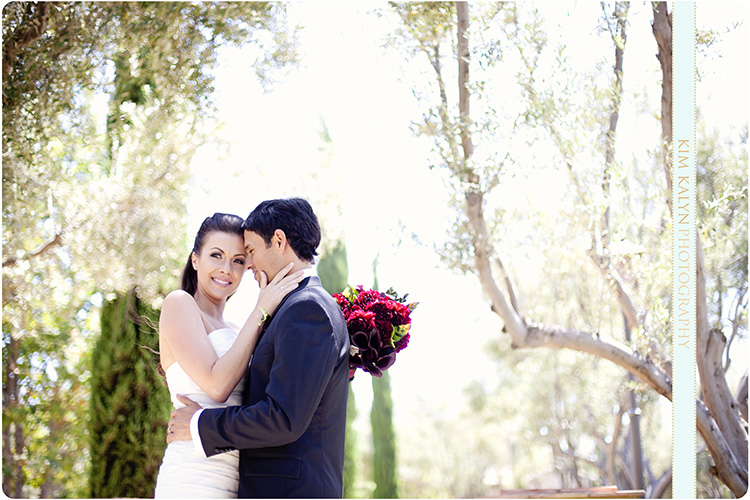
[
  {"x": 367, "y": 297},
  {"x": 360, "y": 321}
]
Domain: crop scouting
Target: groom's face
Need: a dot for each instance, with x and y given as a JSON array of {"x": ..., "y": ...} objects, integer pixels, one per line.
[{"x": 261, "y": 257}]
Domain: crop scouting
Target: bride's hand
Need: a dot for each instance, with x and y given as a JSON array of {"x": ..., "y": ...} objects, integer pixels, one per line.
[{"x": 271, "y": 294}]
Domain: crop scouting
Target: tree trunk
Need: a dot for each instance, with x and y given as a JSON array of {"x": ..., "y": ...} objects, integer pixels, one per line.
[
  {"x": 13, "y": 429},
  {"x": 741, "y": 396},
  {"x": 538, "y": 335},
  {"x": 525, "y": 334},
  {"x": 660, "y": 486},
  {"x": 618, "y": 34},
  {"x": 662, "y": 30},
  {"x": 719, "y": 401},
  {"x": 718, "y": 420},
  {"x": 728, "y": 469},
  {"x": 462, "y": 21}
]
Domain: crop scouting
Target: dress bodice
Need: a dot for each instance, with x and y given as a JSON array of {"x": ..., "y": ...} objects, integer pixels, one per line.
[{"x": 180, "y": 382}]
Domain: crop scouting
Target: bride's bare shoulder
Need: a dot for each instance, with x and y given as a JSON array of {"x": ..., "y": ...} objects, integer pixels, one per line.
[
  {"x": 178, "y": 298},
  {"x": 177, "y": 305}
]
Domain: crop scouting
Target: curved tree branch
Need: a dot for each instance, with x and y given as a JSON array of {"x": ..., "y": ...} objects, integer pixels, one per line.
[
  {"x": 710, "y": 344},
  {"x": 725, "y": 437},
  {"x": 657, "y": 489},
  {"x": 524, "y": 336},
  {"x": 45, "y": 247}
]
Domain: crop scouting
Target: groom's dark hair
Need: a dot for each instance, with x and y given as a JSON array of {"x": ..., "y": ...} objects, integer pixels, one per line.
[{"x": 295, "y": 217}]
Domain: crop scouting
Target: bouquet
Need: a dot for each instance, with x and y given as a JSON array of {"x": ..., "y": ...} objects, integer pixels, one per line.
[{"x": 378, "y": 326}]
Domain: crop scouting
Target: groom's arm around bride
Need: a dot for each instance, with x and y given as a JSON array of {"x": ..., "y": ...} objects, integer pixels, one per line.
[{"x": 290, "y": 429}]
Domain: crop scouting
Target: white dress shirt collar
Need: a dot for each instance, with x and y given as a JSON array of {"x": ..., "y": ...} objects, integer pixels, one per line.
[{"x": 309, "y": 271}]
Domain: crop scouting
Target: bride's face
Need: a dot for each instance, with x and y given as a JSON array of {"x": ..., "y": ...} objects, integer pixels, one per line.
[{"x": 221, "y": 264}]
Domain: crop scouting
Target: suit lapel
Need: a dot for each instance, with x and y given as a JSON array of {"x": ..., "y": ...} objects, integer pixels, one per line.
[{"x": 304, "y": 283}]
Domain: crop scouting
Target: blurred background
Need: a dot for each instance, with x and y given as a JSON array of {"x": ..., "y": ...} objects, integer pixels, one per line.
[{"x": 126, "y": 124}]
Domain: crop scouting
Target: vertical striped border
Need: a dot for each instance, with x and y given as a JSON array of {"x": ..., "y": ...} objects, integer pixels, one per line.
[{"x": 684, "y": 249}]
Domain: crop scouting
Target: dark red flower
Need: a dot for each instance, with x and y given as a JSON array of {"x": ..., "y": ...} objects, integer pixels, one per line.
[
  {"x": 367, "y": 297},
  {"x": 359, "y": 320},
  {"x": 374, "y": 356},
  {"x": 378, "y": 327},
  {"x": 401, "y": 344}
]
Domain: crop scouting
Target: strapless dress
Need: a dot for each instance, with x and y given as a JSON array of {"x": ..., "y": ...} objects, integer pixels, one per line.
[{"x": 183, "y": 472}]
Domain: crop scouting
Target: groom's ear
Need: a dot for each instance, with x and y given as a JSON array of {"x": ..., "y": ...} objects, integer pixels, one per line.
[{"x": 279, "y": 239}]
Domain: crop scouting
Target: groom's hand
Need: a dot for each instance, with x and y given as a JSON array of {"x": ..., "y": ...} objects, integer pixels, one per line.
[{"x": 178, "y": 428}]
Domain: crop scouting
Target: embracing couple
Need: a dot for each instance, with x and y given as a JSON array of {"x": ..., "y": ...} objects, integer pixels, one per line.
[{"x": 275, "y": 428}]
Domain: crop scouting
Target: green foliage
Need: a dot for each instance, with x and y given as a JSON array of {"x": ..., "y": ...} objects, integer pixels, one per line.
[
  {"x": 333, "y": 271},
  {"x": 333, "y": 268},
  {"x": 350, "y": 446},
  {"x": 384, "y": 463},
  {"x": 544, "y": 419},
  {"x": 426, "y": 24},
  {"x": 129, "y": 406},
  {"x": 722, "y": 209},
  {"x": 722, "y": 184},
  {"x": 540, "y": 129},
  {"x": 104, "y": 104}
]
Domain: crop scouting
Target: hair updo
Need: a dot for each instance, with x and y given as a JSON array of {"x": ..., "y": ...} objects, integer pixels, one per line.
[{"x": 225, "y": 223}]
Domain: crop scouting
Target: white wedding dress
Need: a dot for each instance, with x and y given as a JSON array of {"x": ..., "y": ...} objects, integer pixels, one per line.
[{"x": 183, "y": 472}]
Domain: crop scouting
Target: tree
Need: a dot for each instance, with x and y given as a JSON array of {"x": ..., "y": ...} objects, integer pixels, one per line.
[
  {"x": 129, "y": 407},
  {"x": 384, "y": 463},
  {"x": 103, "y": 106},
  {"x": 350, "y": 447},
  {"x": 333, "y": 270},
  {"x": 556, "y": 111},
  {"x": 718, "y": 416}
]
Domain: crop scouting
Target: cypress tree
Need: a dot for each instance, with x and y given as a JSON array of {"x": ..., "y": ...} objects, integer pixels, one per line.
[
  {"x": 350, "y": 446},
  {"x": 383, "y": 434},
  {"x": 333, "y": 270},
  {"x": 384, "y": 439},
  {"x": 129, "y": 406}
]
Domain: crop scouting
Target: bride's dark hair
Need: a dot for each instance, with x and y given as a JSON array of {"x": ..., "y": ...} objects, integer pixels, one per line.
[{"x": 226, "y": 223}]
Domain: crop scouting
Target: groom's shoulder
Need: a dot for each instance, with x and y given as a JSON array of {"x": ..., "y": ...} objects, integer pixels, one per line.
[{"x": 312, "y": 295}]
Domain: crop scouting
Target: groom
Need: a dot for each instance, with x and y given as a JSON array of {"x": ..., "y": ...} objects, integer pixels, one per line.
[{"x": 290, "y": 427}]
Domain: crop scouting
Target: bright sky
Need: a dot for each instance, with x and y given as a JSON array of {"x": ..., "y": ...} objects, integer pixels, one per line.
[{"x": 347, "y": 80}]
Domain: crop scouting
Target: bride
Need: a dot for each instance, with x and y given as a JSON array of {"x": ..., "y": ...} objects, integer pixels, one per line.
[{"x": 204, "y": 357}]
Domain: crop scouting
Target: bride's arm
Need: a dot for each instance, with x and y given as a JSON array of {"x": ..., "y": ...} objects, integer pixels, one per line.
[{"x": 181, "y": 327}]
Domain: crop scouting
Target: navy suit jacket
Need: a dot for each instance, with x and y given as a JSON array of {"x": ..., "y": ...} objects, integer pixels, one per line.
[{"x": 290, "y": 429}]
